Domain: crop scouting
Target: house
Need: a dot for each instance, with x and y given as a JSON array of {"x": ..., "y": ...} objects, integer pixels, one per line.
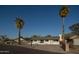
[
  {"x": 49, "y": 40},
  {"x": 71, "y": 41},
  {"x": 10, "y": 42},
  {"x": 39, "y": 40},
  {"x": 24, "y": 41},
  {"x": 75, "y": 39}
]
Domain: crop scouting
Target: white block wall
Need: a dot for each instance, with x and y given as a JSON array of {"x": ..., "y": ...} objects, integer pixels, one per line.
[
  {"x": 76, "y": 41},
  {"x": 46, "y": 42}
]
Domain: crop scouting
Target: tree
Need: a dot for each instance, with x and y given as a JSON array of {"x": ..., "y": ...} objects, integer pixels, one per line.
[
  {"x": 48, "y": 36},
  {"x": 75, "y": 28},
  {"x": 19, "y": 25},
  {"x": 3, "y": 38},
  {"x": 63, "y": 13}
]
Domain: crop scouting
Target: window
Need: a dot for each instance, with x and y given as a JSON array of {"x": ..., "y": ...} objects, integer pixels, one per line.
[
  {"x": 41, "y": 41},
  {"x": 46, "y": 40},
  {"x": 35, "y": 40}
]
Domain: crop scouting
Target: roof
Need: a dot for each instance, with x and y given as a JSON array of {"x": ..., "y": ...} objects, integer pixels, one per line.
[
  {"x": 74, "y": 37},
  {"x": 45, "y": 38}
]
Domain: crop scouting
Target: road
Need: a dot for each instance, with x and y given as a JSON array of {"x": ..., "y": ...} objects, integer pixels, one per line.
[{"x": 35, "y": 49}]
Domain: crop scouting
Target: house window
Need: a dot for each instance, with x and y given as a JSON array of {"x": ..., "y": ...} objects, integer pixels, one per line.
[
  {"x": 8, "y": 42},
  {"x": 35, "y": 40},
  {"x": 46, "y": 40},
  {"x": 41, "y": 41}
]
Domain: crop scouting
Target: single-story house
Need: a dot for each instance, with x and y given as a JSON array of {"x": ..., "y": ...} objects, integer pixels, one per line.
[
  {"x": 45, "y": 40},
  {"x": 23, "y": 40},
  {"x": 40, "y": 40}
]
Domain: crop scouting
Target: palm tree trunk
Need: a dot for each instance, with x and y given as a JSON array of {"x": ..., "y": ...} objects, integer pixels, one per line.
[
  {"x": 19, "y": 41},
  {"x": 63, "y": 39},
  {"x": 63, "y": 28}
]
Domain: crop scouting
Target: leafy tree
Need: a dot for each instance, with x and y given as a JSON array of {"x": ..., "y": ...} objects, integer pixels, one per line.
[
  {"x": 48, "y": 36},
  {"x": 34, "y": 36},
  {"x": 75, "y": 28}
]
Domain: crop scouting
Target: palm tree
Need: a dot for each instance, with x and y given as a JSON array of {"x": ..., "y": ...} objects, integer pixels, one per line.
[
  {"x": 19, "y": 25},
  {"x": 63, "y": 13}
]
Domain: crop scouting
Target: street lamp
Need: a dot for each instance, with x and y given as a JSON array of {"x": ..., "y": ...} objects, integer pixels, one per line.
[{"x": 63, "y": 13}]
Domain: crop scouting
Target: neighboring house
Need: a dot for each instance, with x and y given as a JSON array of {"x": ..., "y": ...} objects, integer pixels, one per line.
[
  {"x": 75, "y": 39},
  {"x": 8, "y": 42},
  {"x": 68, "y": 39},
  {"x": 3, "y": 38},
  {"x": 45, "y": 40},
  {"x": 23, "y": 40}
]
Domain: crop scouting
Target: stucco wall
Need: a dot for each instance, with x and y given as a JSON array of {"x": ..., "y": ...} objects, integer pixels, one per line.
[
  {"x": 76, "y": 41},
  {"x": 46, "y": 42}
]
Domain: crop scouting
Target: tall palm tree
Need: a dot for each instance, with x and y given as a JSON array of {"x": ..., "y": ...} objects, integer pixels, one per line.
[
  {"x": 19, "y": 25},
  {"x": 63, "y": 13}
]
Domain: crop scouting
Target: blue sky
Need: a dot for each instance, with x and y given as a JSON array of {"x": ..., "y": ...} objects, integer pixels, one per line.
[{"x": 39, "y": 20}]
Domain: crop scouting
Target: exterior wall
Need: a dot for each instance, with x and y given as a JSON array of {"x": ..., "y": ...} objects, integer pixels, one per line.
[
  {"x": 54, "y": 42},
  {"x": 20, "y": 39},
  {"x": 45, "y": 42},
  {"x": 76, "y": 41},
  {"x": 35, "y": 41}
]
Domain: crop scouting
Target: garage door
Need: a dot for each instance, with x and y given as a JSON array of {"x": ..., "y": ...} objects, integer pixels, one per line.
[{"x": 76, "y": 41}]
